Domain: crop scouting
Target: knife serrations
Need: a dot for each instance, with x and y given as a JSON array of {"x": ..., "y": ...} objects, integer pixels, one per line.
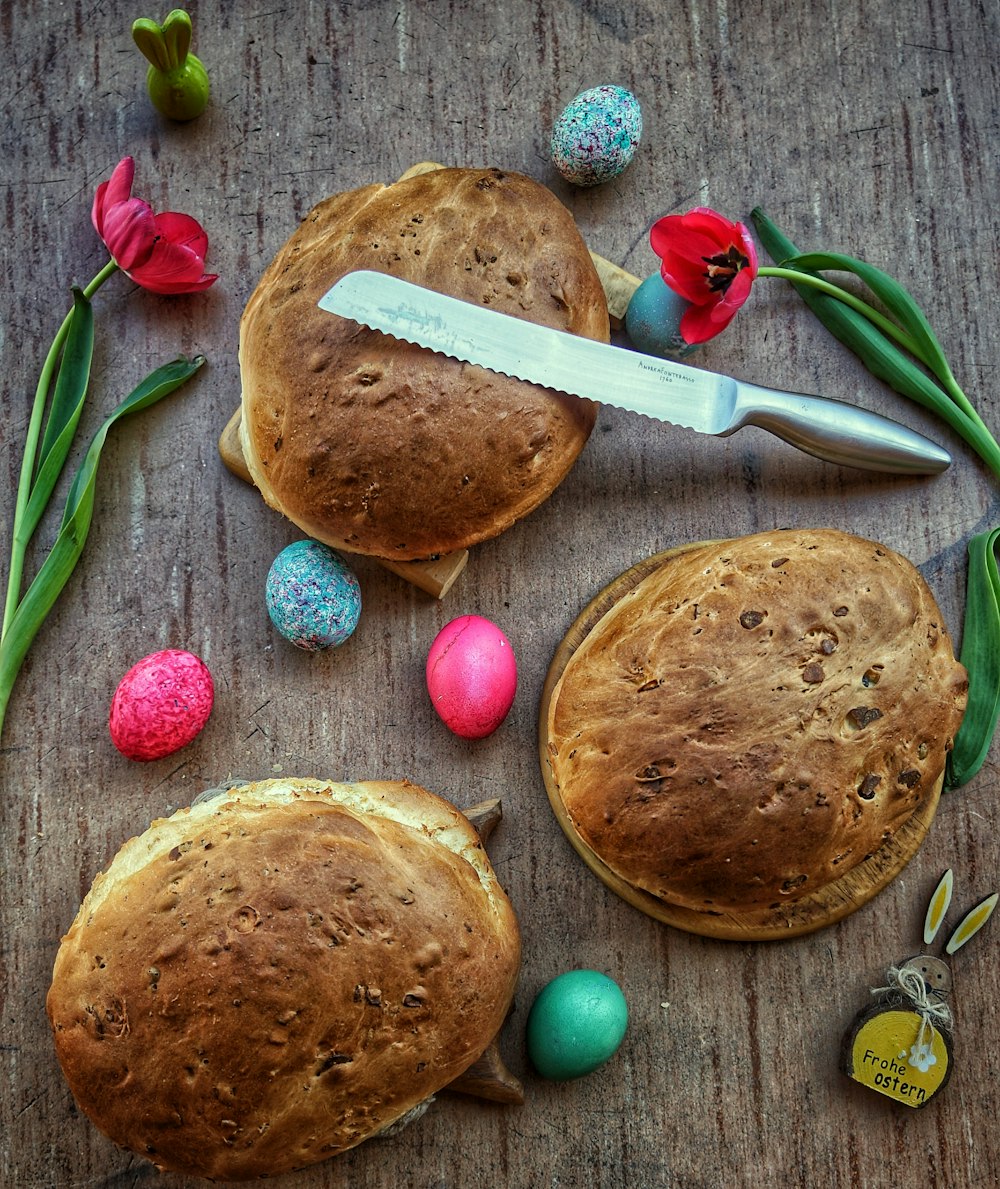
[{"x": 524, "y": 350}]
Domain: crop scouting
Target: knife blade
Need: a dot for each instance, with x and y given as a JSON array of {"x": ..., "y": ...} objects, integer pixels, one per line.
[{"x": 677, "y": 393}]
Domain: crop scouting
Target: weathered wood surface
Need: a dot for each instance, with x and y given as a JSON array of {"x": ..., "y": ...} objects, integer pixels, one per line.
[{"x": 869, "y": 128}]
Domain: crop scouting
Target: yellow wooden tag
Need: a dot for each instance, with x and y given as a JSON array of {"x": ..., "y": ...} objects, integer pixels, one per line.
[{"x": 898, "y": 1054}]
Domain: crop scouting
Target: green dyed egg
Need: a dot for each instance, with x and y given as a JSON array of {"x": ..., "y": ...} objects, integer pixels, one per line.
[
  {"x": 653, "y": 320},
  {"x": 576, "y": 1024}
]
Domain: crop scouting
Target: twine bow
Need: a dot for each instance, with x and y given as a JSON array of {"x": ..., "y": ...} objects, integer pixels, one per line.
[{"x": 905, "y": 982}]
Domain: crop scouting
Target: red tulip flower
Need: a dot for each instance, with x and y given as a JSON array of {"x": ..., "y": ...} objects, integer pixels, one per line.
[
  {"x": 709, "y": 261},
  {"x": 163, "y": 253}
]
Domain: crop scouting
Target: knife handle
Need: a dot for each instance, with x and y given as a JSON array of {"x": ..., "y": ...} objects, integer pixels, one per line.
[{"x": 838, "y": 432}]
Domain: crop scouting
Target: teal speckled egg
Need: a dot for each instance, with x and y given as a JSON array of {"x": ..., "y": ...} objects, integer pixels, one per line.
[
  {"x": 596, "y": 135},
  {"x": 576, "y": 1024},
  {"x": 312, "y": 596},
  {"x": 653, "y": 320}
]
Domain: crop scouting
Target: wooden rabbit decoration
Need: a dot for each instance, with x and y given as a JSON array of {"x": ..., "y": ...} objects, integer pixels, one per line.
[{"x": 901, "y": 1045}]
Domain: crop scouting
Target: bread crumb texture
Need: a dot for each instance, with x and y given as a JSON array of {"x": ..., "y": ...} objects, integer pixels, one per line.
[
  {"x": 375, "y": 445},
  {"x": 756, "y": 717},
  {"x": 269, "y": 978}
]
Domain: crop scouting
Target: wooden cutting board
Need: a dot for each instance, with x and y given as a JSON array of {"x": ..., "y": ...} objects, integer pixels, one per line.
[
  {"x": 802, "y": 916},
  {"x": 437, "y": 575}
]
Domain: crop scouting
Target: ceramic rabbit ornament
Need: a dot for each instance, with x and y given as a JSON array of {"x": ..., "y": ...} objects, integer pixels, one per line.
[{"x": 901, "y": 1045}]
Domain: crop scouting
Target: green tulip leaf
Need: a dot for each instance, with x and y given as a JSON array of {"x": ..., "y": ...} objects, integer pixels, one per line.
[
  {"x": 58, "y": 566},
  {"x": 64, "y": 412},
  {"x": 980, "y": 653},
  {"x": 893, "y": 296}
]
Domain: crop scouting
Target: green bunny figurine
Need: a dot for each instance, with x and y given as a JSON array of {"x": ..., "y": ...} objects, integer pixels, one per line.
[{"x": 176, "y": 80}]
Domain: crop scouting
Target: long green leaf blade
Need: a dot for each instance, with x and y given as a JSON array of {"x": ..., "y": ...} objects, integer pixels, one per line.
[
  {"x": 68, "y": 397},
  {"x": 155, "y": 387},
  {"x": 58, "y": 566},
  {"x": 74, "y": 371},
  {"x": 980, "y": 653}
]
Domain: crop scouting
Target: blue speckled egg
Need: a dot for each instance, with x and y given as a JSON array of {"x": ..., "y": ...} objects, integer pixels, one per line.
[
  {"x": 653, "y": 320},
  {"x": 575, "y": 1024},
  {"x": 312, "y": 595},
  {"x": 596, "y": 135}
]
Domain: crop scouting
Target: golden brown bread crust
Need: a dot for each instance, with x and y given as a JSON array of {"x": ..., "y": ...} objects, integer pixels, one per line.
[
  {"x": 267, "y": 979},
  {"x": 756, "y": 717},
  {"x": 378, "y": 446}
]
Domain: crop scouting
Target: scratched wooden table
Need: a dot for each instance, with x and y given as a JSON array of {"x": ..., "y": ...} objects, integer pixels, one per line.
[{"x": 860, "y": 127}]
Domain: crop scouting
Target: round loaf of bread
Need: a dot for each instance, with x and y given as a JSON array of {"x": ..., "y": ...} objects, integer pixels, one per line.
[
  {"x": 273, "y": 975},
  {"x": 374, "y": 445},
  {"x": 755, "y": 718}
]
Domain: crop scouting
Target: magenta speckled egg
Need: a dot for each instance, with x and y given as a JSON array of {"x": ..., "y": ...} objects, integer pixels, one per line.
[
  {"x": 161, "y": 704},
  {"x": 471, "y": 676}
]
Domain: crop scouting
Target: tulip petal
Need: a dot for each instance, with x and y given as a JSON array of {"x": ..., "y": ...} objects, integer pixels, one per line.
[
  {"x": 184, "y": 230},
  {"x": 171, "y": 268},
  {"x": 698, "y": 324},
  {"x": 738, "y": 291},
  {"x": 120, "y": 182},
  {"x": 129, "y": 232},
  {"x": 118, "y": 188}
]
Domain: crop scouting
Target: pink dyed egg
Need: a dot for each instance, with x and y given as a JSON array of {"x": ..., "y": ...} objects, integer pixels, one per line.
[
  {"x": 471, "y": 676},
  {"x": 160, "y": 704}
]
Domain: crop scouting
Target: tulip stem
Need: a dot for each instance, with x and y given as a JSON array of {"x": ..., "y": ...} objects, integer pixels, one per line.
[
  {"x": 886, "y": 325},
  {"x": 19, "y": 542}
]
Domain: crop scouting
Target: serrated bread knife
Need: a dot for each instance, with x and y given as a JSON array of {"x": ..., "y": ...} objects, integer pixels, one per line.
[{"x": 674, "y": 392}]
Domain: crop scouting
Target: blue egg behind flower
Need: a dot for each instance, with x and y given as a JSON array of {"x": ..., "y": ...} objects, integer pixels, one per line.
[
  {"x": 653, "y": 320},
  {"x": 312, "y": 596},
  {"x": 596, "y": 135}
]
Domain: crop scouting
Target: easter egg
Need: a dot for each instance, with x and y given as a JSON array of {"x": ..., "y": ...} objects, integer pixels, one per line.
[
  {"x": 312, "y": 596},
  {"x": 576, "y": 1024},
  {"x": 596, "y": 135},
  {"x": 161, "y": 704},
  {"x": 471, "y": 676},
  {"x": 653, "y": 320}
]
